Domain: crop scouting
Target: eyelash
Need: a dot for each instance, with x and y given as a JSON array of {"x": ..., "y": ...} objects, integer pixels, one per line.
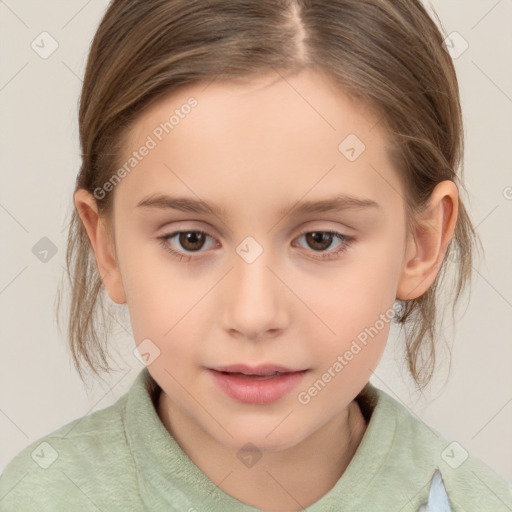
[{"x": 348, "y": 240}]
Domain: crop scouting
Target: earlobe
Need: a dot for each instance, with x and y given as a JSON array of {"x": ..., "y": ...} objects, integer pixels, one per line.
[
  {"x": 426, "y": 247},
  {"x": 102, "y": 245}
]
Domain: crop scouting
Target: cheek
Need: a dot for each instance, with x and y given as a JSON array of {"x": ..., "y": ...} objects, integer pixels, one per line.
[
  {"x": 154, "y": 303},
  {"x": 344, "y": 362},
  {"x": 355, "y": 296},
  {"x": 166, "y": 308},
  {"x": 159, "y": 310},
  {"x": 356, "y": 310}
]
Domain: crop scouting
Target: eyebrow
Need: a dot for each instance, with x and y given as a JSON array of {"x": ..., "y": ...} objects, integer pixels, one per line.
[{"x": 331, "y": 204}]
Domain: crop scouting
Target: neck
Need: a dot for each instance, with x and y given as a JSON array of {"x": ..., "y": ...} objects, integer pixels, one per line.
[{"x": 284, "y": 482}]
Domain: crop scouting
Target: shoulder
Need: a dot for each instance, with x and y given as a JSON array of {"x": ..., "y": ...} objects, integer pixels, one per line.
[
  {"x": 419, "y": 451},
  {"x": 71, "y": 465}
]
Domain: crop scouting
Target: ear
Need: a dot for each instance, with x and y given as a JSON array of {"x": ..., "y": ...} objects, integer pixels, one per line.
[
  {"x": 102, "y": 245},
  {"x": 427, "y": 245}
]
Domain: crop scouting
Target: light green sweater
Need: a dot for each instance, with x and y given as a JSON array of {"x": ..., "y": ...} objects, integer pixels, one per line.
[{"x": 123, "y": 459}]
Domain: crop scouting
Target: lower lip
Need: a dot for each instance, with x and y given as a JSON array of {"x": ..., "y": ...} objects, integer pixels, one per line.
[{"x": 253, "y": 390}]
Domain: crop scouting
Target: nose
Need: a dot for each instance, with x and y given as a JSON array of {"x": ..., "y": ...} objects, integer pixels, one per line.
[{"x": 254, "y": 299}]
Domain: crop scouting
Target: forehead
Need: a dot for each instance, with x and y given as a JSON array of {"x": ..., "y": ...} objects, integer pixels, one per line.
[
  {"x": 308, "y": 104},
  {"x": 265, "y": 137}
]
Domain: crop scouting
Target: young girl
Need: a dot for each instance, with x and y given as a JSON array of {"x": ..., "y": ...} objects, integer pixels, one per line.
[{"x": 266, "y": 185}]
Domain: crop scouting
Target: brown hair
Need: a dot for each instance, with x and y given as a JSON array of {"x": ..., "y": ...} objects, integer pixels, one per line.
[{"x": 387, "y": 53}]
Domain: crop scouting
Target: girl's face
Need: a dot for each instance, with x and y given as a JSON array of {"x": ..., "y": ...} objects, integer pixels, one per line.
[{"x": 266, "y": 172}]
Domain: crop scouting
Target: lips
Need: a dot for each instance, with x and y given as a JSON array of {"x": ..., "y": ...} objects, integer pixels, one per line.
[{"x": 260, "y": 385}]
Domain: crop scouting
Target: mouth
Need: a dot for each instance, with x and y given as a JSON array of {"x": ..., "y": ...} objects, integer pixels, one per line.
[{"x": 260, "y": 385}]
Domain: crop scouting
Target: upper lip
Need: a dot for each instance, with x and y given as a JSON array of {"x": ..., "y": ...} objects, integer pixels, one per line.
[{"x": 262, "y": 369}]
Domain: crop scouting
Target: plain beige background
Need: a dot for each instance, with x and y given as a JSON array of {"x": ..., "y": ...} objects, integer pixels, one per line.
[{"x": 39, "y": 388}]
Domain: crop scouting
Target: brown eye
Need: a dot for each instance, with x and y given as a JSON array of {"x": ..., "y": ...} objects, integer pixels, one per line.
[
  {"x": 182, "y": 244},
  {"x": 318, "y": 243},
  {"x": 191, "y": 240},
  {"x": 319, "y": 240}
]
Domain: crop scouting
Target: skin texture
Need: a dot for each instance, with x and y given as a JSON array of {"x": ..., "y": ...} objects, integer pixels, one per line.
[{"x": 254, "y": 149}]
